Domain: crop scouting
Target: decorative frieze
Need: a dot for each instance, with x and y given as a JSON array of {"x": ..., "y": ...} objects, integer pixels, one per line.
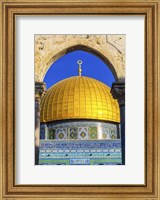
[
  {"x": 80, "y": 130},
  {"x": 78, "y": 152}
]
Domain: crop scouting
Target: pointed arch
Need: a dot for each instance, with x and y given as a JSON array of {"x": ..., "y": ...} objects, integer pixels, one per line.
[
  {"x": 84, "y": 48},
  {"x": 106, "y": 52}
]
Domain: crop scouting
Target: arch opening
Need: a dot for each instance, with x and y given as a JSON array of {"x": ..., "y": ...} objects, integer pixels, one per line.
[{"x": 65, "y": 65}]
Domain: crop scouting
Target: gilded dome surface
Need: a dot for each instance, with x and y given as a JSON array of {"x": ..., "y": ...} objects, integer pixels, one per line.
[{"x": 79, "y": 97}]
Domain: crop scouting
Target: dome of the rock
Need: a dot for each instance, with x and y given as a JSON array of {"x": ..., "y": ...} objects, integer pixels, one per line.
[{"x": 79, "y": 97}]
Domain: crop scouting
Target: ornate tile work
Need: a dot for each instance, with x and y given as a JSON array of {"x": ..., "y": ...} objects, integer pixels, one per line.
[
  {"x": 61, "y": 133},
  {"x": 79, "y": 161},
  {"x": 92, "y": 133},
  {"x": 72, "y": 133},
  {"x": 105, "y": 133},
  {"x": 51, "y": 134},
  {"x": 78, "y": 152},
  {"x": 78, "y": 144},
  {"x": 43, "y": 131},
  {"x": 80, "y": 123},
  {"x": 113, "y": 134},
  {"x": 83, "y": 133},
  {"x": 83, "y": 130}
]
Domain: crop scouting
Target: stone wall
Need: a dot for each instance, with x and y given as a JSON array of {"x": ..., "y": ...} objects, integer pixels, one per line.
[{"x": 110, "y": 48}]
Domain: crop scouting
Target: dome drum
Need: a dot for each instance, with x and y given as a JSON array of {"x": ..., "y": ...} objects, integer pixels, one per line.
[{"x": 79, "y": 130}]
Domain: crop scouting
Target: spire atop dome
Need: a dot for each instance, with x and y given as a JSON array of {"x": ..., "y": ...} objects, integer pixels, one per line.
[{"x": 79, "y": 62}]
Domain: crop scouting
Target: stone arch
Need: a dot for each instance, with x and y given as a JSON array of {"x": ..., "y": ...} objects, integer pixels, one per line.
[
  {"x": 47, "y": 53},
  {"x": 84, "y": 48}
]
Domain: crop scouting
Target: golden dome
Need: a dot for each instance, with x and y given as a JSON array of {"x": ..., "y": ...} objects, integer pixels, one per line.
[{"x": 79, "y": 97}]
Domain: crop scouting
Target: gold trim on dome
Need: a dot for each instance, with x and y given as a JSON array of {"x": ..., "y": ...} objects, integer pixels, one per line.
[{"x": 79, "y": 97}]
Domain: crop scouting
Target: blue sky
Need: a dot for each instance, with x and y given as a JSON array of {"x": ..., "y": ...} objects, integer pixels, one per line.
[{"x": 67, "y": 66}]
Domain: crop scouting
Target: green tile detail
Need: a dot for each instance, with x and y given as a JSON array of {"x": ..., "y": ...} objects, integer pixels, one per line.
[
  {"x": 72, "y": 133},
  {"x": 92, "y": 133},
  {"x": 61, "y": 136},
  {"x": 113, "y": 134},
  {"x": 51, "y": 134},
  {"x": 54, "y": 161}
]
